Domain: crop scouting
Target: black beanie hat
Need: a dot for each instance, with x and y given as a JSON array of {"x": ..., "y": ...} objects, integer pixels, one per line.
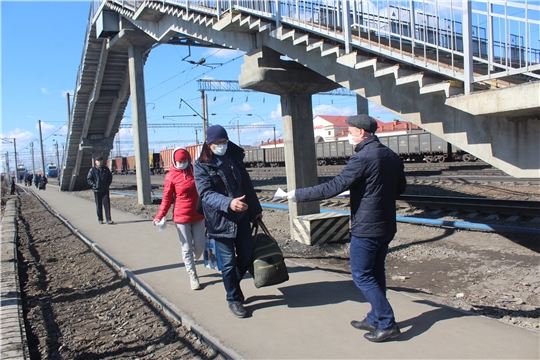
[{"x": 215, "y": 133}]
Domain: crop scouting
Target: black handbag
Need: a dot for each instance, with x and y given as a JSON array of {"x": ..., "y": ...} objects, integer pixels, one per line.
[{"x": 268, "y": 263}]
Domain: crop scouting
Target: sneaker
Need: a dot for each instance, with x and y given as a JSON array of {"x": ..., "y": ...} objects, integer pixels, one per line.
[
  {"x": 100, "y": 222},
  {"x": 238, "y": 309},
  {"x": 110, "y": 222},
  {"x": 194, "y": 282}
]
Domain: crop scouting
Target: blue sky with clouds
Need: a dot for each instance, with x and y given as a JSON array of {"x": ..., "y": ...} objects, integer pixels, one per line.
[{"x": 41, "y": 51}]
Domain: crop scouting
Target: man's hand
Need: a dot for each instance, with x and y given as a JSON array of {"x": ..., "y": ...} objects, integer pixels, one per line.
[
  {"x": 238, "y": 205},
  {"x": 258, "y": 216},
  {"x": 291, "y": 195},
  {"x": 155, "y": 222}
]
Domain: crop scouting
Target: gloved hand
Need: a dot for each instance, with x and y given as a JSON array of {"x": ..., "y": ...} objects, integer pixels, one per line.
[{"x": 291, "y": 195}]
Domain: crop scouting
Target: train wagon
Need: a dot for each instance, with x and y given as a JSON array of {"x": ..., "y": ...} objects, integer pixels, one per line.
[
  {"x": 410, "y": 147},
  {"x": 51, "y": 170},
  {"x": 130, "y": 165},
  {"x": 21, "y": 173},
  {"x": 119, "y": 165},
  {"x": 155, "y": 163}
]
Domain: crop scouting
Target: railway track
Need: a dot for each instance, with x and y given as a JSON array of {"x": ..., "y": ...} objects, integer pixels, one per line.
[{"x": 464, "y": 204}]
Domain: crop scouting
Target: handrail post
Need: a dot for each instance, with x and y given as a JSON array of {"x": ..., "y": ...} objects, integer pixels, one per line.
[
  {"x": 467, "y": 47},
  {"x": 346, "y": 25},
  {"x": 278, "y": 15}
]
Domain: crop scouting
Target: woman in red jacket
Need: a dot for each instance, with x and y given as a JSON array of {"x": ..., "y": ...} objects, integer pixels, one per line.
[{"x": 179, "y": 186}]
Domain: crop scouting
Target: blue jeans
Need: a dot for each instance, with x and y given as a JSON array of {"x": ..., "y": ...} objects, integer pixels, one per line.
[
  {"x": 236, "y": 256},
  {"x": 367, "y": 267}
]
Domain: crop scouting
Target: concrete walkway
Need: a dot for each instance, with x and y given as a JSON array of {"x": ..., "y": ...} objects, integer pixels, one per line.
[{"x": 305, "y": 318}]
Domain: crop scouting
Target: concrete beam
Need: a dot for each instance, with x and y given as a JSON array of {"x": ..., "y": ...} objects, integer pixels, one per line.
[{"x": 520, "y": 100}]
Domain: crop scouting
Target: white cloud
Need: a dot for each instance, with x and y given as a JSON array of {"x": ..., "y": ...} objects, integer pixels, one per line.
[
  {"x": 22, "y": 137},
  {"x": 243, "y": 107},
  {"x": 332, "y": 110},
  {"x": 45, "y": 91},
  {"x": 46, "y": 128},
  {"x": 276, "y": 115}
]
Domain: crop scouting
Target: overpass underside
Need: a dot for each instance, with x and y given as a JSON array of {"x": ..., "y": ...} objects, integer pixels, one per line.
[{"x": 498, "y": 123}]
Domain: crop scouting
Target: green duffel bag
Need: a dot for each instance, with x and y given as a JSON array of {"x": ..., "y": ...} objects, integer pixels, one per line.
[{"x": 268, "y": 264}]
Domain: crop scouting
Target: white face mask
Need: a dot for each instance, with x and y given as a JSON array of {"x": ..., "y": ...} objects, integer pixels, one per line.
[
  {"x": 219, "y": 150},
  {"x": 181, "y": 165},
  {"x": 351, "y": 141}
]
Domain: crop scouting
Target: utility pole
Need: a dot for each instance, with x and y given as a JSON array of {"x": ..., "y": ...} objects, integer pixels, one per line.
[
  {"x": 32, "y": 152},
  {"x": 238, "y": 129},
  {"x": 204, "y": 113},
  {"x": 41, "y": 145},
  {"x": 57, "y": 156},
  {"x": 275, "y": 145},
  {"x": 7, "y": 166},
  {"x": 15, "y": 148}
]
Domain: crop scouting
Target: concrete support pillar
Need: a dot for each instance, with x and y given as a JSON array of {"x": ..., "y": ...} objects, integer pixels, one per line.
[
  {"x": 140, "y": 131},
  {"x": 263, "y": 70},
  {"x": 362, "y": 106},
  {"x": 300, "y": 159}
]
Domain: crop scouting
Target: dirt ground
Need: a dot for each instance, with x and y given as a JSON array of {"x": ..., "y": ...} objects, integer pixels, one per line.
[{"x": 78, "y": 307}]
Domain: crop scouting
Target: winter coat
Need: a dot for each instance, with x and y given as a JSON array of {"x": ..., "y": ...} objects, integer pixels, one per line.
[
  {"x": 216, "y": 190},
  {"x": 179, "y": 187},
  {"x": 375, "y": 177},
  {"x": 99, "y": 178}
]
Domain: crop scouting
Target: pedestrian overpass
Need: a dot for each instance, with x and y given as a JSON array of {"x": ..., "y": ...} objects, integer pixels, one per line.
[{"x": 468, "y": 72}]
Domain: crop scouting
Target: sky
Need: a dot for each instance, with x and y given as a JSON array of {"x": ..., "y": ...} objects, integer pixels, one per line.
[{"x": 41, "y": 51}]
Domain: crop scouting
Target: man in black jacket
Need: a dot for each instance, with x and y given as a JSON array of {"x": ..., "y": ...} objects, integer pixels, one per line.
[
  {"x": 375, "y": 177},
  {"x": 100, "y": 178}
]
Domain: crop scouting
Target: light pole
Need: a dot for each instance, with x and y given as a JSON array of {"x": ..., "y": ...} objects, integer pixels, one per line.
[
  {"x": 237, "y": 126},
  {"x": 275, "y": 144},
  {"x": 15, "y": 152}
]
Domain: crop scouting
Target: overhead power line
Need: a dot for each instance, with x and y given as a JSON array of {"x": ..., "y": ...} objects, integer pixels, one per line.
[{"x": 234, "y": 86}]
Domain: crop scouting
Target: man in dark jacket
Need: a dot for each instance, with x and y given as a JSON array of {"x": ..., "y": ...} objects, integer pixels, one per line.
[
  {"x": 375, "y": 177},
  {"x": 100, "y": 178},
  {"x": 229, "y": 202}
]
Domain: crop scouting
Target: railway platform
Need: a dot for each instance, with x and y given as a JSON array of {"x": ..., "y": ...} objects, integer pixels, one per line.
[{"x": 305, "y": 318}]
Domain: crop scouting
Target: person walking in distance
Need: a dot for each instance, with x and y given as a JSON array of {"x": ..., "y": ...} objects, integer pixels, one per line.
[
  {"x": 100, "y": 179},
  {"x": 179, "y": 188},
  {"x": 229, "y": 203},
  {"x": 375, "y": 177}
]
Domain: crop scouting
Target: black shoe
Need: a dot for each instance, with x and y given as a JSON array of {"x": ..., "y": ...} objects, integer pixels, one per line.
[
  {"x": 110, "y": 222},
  {"x": 238, "y": 309},
  {"x": 363, "y": 325},
  {"x": 380, "y": 335},
  {"x": 100, "y": 222}
]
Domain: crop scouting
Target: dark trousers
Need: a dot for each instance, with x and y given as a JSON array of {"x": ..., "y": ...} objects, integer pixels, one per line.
[
  {"x": 236, "y": 255},
  {"x": 367, "y": 267},
  {"x": 102, "y": 201}
]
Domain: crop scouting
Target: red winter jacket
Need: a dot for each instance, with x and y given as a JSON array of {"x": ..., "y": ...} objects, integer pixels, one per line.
[{"x": 179, "y": 186}]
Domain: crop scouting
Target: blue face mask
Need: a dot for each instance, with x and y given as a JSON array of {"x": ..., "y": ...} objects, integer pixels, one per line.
[{"x": 220, "y": 150}]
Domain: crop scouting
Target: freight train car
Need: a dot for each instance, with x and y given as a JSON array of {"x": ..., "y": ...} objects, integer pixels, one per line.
[
  {"x": 410, "y": 147},
  {"x": 155, "y": 163},
  {"x": 130, "y": 165}
]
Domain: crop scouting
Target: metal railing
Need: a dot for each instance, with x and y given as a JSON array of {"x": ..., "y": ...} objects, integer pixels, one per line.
[{"x": 470, "y": 41}]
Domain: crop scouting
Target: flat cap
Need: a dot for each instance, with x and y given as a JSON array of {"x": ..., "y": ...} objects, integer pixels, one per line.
[
  {"x": 99, "y": 158},
  {"x": 363, "y": 121}
]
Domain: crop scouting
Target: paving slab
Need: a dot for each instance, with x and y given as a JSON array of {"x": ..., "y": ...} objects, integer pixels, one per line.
[{"x": 305, "y": 318}]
